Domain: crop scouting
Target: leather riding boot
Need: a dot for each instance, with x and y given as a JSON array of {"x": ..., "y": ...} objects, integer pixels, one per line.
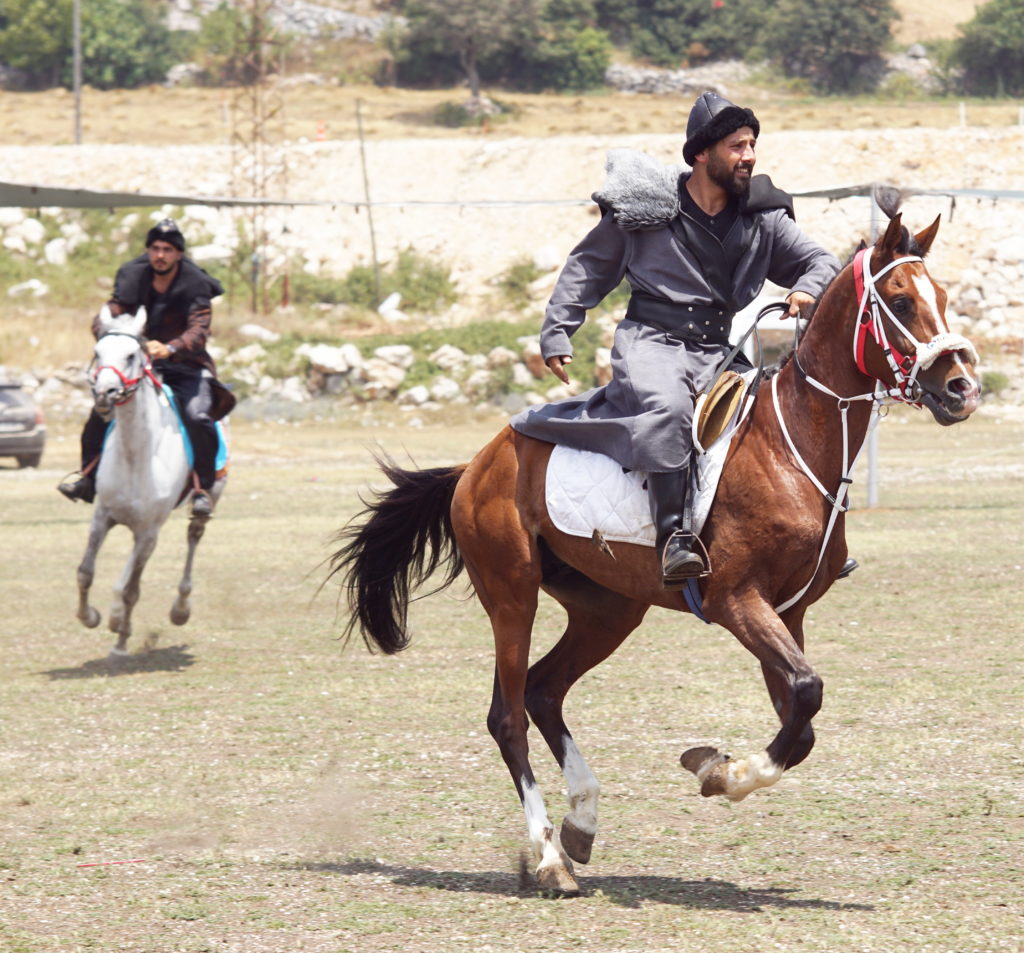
[
  {"x": 84, "y": 488},
  {"x": 674, "y": 541},
  {"x": 202, "y": 505}
]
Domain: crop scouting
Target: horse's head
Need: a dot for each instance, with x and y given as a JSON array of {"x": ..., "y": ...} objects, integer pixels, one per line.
[
  {"x": 119, "y": 359},
  {"x": 902, "y": 336}
]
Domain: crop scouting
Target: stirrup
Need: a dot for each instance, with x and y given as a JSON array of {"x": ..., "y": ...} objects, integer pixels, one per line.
[
  {"x": 848, "y": 567},
  {"x": 695, "y": 568},
  {"x": 202, "y": 505}
]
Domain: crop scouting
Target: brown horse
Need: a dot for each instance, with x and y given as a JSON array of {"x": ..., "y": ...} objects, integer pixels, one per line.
[{"x": 775, "y": 536}]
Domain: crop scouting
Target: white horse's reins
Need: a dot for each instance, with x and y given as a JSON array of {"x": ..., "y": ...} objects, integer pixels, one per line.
[{"x": 907, "y": 389}]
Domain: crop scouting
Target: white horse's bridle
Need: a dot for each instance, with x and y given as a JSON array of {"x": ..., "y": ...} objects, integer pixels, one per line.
[
  {"x": 905, "y": 368},
  {"x": 129, "y": 385}
]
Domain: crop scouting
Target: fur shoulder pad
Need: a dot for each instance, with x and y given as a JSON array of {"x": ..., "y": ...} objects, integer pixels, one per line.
[{"x": 639, "y": 190}]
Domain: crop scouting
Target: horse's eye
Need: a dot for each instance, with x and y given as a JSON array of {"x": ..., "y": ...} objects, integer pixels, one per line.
[{"x": 900, "y": 305}]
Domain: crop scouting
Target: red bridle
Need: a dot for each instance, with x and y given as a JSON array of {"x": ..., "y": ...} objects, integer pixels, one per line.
[
  {"x": 129, "y": 385},
  {"x": 904, "y": 367}
]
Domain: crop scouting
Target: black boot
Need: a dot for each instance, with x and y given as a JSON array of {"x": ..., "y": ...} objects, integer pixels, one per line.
[
  {"x": 674, "y": 541},
  {"x": 84, "y": 488}
]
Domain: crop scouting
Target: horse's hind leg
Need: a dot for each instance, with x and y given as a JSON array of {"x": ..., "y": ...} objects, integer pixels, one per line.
[
  {"x": 98, "y": 529},
  {"x": 182, "y": 608},
  {"x": 508, "y": 593},
  {"x": 126, "y": 592},
  {"x": 599, "y": 622}
]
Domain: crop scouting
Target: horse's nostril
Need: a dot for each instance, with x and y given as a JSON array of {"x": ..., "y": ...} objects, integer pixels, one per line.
[{"x": 962, "y": 387}]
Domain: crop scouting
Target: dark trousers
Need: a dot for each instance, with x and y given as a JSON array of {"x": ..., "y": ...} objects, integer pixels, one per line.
[{"x": 195, "y": 400}]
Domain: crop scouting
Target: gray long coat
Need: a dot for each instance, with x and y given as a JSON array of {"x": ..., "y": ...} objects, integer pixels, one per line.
[{"x": 642, "y": 417}]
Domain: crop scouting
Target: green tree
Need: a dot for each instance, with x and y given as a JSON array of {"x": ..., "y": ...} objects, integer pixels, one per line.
[
  {"x": 226, "y": 49},
  {"x": 674, "y": 33},
  {"x": 124, "y": 42},
  {"x": 468, "y": 31},
  {"x": 570, "y": 53},
  {"x": 990, "y": 49},
  {"x": 35, "y": 37},
  {"x": 835, "y": 44}
]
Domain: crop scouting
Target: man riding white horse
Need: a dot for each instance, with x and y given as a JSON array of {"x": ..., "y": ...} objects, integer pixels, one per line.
[
  {"x": 695, "y": 247},
  {"x": 176, "y": 294}
]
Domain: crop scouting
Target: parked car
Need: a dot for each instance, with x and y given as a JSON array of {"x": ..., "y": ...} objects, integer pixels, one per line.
[{"x": 22, "y": 429}]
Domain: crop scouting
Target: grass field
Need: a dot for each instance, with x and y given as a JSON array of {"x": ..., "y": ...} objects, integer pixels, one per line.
[{"x": 275, "y": 792}]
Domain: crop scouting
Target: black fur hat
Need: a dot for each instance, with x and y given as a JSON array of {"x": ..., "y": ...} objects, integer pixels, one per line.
[
  {"x": 166, "y": 231},
  {"x": 712, "y": 119}
]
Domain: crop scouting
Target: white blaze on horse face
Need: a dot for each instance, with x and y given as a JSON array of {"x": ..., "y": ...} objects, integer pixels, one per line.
[
  {"x": 926, "y": 292},
  {"x": 583, "y": 788}
]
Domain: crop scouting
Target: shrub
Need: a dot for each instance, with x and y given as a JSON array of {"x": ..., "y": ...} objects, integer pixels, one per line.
[
  {"x": 424, "y": 284},
  {"x": 991, "y": 49},
  {"x": 515, "y": 281}
]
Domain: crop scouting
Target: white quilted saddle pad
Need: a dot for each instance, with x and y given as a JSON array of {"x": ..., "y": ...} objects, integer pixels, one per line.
[{"x": 588, "y": 491}]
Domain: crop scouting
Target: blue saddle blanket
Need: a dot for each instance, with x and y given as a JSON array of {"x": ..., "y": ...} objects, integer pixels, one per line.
[{"x": 221, "y": 460}]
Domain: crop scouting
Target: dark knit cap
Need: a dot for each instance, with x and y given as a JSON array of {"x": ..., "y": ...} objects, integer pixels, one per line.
[
  {"x": 166, "y": 231},
  {"x": 711, "y": 120}
]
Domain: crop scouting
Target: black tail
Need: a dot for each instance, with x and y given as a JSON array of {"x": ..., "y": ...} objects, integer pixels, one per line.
[{"x": 392, "y": 547}]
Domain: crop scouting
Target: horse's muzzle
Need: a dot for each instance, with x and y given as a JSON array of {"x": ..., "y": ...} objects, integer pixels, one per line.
[{"x": 959, "y": 399}]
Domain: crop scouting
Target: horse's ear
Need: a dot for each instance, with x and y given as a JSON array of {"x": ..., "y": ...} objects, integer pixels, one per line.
[
  {"x": 925, "y": 238},
  {"x": 893, "y": 235},
  {"x": 104, "y": 320},
  {"x": 137, "y": 322}
]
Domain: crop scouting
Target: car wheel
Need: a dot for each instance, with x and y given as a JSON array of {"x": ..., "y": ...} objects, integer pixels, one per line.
[{"x": 29, "y": 459}]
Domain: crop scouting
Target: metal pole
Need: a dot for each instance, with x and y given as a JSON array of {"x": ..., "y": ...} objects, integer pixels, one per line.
[
  {"x": 369, "y": 204},
  {"x": 76, "y": 39}
]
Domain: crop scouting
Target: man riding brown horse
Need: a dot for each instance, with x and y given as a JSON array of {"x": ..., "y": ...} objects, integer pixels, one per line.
[{"x": 695, "y": 247}]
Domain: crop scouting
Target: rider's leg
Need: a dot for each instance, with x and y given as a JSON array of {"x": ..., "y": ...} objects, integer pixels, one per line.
[
  {"x": 667, "y": 493},
  {"x": 84, "y": 488},
  {"x": 195, "y": 399}
]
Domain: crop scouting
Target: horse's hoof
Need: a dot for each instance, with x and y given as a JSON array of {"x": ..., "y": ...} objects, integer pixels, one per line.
[
  {"x": 180, "y": 616},
  {"x": 706, "y": 763},
  {"x": 91, "y": 619},
  {"x": 557, "y": 880},
  {"x": 576, "y": 843},
  {"x": 118, "y": 655}
]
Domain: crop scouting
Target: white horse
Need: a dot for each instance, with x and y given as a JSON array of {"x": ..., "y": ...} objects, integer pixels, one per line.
[{"x": 143, "y": 472}]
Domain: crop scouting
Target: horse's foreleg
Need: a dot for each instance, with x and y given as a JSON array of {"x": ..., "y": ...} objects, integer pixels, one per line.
[
  {"x": 182, "y": 608},
  {"x": 126, "y": 592},
  {"x": 599, "y": 621},
  {"x": 796, "y": 691},
  {"x": 98, "y": 529}
]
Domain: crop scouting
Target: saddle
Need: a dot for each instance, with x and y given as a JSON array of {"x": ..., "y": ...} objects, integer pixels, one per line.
[
  {"x": 588, "y": 492},
  {"x": 717, "y": 408}
]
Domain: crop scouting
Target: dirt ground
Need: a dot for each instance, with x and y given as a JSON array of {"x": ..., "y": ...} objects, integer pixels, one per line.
[{"x": 245, "y": 784}]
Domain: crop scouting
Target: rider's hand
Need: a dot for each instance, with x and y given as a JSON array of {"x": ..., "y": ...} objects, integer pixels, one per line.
[
  {"x": 799, "y": 301},
  {"x": 158, "y": 350},
  {"x": 557, "y": 364}
]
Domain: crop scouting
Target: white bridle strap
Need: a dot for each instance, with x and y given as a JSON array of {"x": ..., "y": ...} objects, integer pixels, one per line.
[
  {"x": 837, "y": 499},
  {"x": 871, "y": 306}
]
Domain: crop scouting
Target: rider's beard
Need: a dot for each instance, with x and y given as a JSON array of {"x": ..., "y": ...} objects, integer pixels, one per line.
[{"x": 721, "y": 173}]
